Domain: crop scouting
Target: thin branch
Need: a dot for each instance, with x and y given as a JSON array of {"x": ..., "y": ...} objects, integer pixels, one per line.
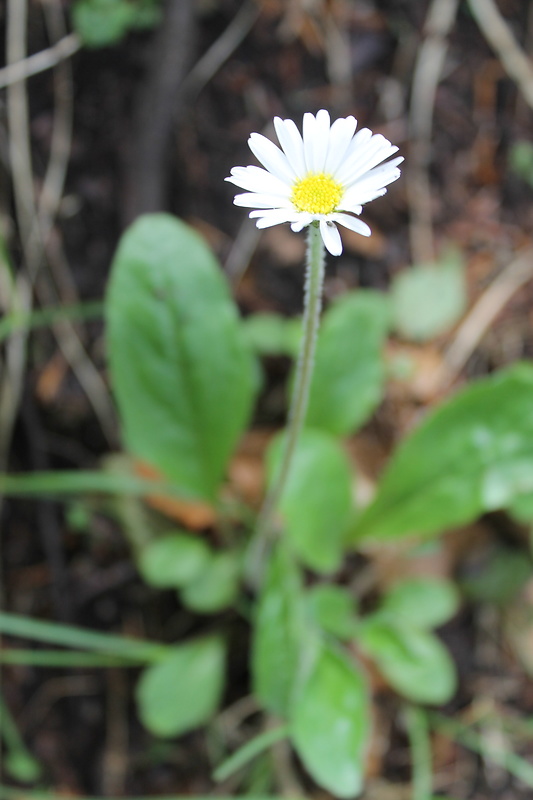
[
  {"x": 18, "y": 292},
  {"x": 501, "y": 39},
  {"x": 24, "y": 68},
  {"x": 480, "y": 318},
  {"x": 219, "y": 52},
  {"x": 428, "y": 70}
]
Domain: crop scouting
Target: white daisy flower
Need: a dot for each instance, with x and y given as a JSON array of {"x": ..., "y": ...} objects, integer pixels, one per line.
[{"x": 324, "y": 176}]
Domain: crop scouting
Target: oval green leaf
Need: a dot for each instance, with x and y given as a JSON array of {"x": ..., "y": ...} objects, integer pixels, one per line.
[
  {"x": 278, "y": 632},
  {"x": 422, "y": 602},
  {"x": 330, "y": 723},
  {"x": 173, "y": 560},
  {"x": 217, "y": 586},
  {"x": 472, "y": 455},
  {"x": 413, "y": 661},
  {"x": 183, "y": 690},
  {"x": 349, "y": 369},
  {"x": 316, "y": 501},
  {"x": 333, "y": 608},
  {"x": 428, "y": 299},
  {"x": 272, "y": 335},
  {"x": 181, "y": 373}
]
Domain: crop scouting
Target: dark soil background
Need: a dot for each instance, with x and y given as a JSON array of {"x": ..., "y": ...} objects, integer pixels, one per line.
[{"x": 156, "y": 127}]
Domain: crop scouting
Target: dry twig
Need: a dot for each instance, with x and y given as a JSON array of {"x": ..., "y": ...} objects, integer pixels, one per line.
[
  {"x": 17, "y": 294},
  {"x": 428, "y": 69},
  {"x": 501, "y": 39},
  {"x": 480, "y": 318},
  {"x": 24, "y": 68}
]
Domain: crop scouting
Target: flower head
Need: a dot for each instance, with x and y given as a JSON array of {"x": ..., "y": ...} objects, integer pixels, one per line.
[{"x": 325, "y": 175}]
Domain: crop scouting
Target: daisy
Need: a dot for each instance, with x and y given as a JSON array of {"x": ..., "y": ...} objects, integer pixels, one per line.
[{"x": 324, "y": 176}]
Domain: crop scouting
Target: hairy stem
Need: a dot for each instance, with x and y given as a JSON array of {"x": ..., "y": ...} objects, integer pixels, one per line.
[{"x": 314, "y": 280}]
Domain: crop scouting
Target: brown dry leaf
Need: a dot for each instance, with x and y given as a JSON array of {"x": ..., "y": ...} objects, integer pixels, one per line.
[
  {"x": 369, "y": 457},
  {"x": 444, "y": 752},
  {"x": 394, "y": 562},
  {"x": 195, "y": 515},
  {"x": 379, "y": 743},
  {"x": 423, "y": 364},
  {"x": 246, "y": 471},
  {"x": 377, "y": 682},
  {"x": 51, "y": 378},
  {"x": 484, "y": 160}
]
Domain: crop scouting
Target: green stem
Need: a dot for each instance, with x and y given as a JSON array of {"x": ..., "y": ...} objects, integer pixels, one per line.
[
  {"x": 250, "y": 750},
  {"x": 65, "y": 658},
  {"x": 10, "y": 793},
  {"x": 137, "y": 650},
  {"x": 29, "y": 320},
  {"x": 314, "y": 280},
  {"x": 476, "y": 742},
  {"x": 18, "y": 760},
  {"x": 418, "y": 732},
  {"x": 67, "y": 482}
]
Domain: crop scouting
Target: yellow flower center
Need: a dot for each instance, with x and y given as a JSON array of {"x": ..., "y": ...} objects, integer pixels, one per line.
[{"x": 317, "y": 194}]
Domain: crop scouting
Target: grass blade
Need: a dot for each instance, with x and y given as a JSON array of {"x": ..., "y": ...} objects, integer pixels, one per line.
[{"x": 71, "y": 636}]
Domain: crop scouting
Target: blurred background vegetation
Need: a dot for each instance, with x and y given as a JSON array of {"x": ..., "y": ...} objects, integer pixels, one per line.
[{"x": 110, "y": 109}]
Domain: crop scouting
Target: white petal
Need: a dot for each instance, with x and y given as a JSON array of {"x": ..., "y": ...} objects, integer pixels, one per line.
[
  {"x": 256, "y": 179},
  {"x": 298, "y": 226},
  {"x": 271, "y": 157},
  {"x": 255, "y": 200},
  {"x": 291, "y": 141},
  {"x": 340, "y": 137},
  {"x": 358, "y": 143},
  {"x": 370, "y": 185},
  {"x": 375, "y": 151},
  {"x": 321, "y": 140},
  {"x": 331, "y": 237},
  {"x": 309, "y": 127},
  {"x": 272, "y": 217},
  {"x": 353, "y": 208},
  {"x": 361, "y": 197},
  {"x": 353, "y": 223},
  {"x": 301, "y": 220}
]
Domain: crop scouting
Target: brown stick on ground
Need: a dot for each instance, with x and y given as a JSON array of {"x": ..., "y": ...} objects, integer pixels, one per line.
[{"x": 145, "y": 179}]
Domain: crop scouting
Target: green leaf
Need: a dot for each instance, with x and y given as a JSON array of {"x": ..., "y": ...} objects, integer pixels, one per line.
[
  {"x": 333, "y": 607},
  {"x": 521, "y": 160},
  {"x": 316, "y": 501},
  {"x": 429, "y": 299},
  {"x": 217, "y": 586},
  {"x": 173, "y": 560},
  {"x": 349, "y": 369},
  {"x": 330, "y": 723},
  {"x": 101, "y": 23},
  {"x": 183, "y": 690},
  {"x": 22, "y": 767},
  {"x": 472, "y": 455},
  {"x": 521, "y": 508},
  {"x": 422, "y": 602},
  {"x": 278, "y": 635},
  {"x": 500, "y": 577},
  {"x": 414, "y": 661},
  {"x": 181, "y": 373},
  {"x": 272, "y": 334}
]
